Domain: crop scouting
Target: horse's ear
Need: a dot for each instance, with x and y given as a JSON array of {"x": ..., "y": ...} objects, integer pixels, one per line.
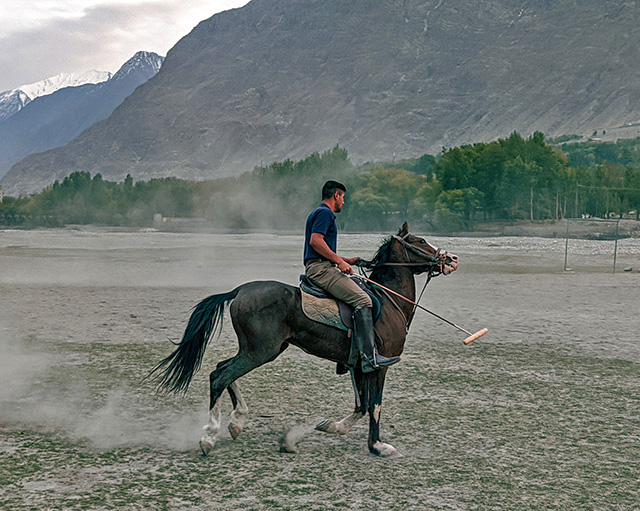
[{"x": 404, "y": 229}]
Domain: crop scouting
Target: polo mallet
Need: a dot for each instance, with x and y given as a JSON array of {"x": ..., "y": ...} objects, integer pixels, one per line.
[{"x": 468, "y": 340}]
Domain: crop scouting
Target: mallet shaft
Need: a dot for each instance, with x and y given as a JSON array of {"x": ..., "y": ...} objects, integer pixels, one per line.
[{"x": 468, "y": 340}]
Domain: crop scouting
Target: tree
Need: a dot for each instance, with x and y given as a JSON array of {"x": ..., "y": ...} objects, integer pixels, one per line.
[
  {"x": 385, "y": 192},
  {"x": 425, "y": 166},
  {"x": 632, "y": 183},
  {"x": 513, "y": 189},
  {"x": 458, "y": 206},
  {"x": 424, "y": 202},
  {"x": 455, "y": 168}
]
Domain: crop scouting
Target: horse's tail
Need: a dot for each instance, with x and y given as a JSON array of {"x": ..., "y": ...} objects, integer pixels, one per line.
[{"x": 174, "y": 373}]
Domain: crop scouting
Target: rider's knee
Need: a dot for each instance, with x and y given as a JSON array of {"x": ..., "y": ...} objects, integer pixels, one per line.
[{"x": 362, "y": 301}]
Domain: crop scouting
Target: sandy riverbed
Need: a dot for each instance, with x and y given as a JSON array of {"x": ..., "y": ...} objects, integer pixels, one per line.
[{"x": 540, "y": 413}]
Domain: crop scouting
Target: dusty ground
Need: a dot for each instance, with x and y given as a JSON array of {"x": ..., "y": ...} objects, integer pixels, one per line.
[{"x": 542, "y": 413}]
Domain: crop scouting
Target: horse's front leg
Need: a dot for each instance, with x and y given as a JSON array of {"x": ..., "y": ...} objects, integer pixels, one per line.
[{"x": 374, "y": 382}]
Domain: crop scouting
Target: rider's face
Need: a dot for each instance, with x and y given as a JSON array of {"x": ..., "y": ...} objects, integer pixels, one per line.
[{"x": 339, "y": 201}]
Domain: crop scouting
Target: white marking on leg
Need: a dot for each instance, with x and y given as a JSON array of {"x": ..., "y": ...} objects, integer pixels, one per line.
[
  {"x": 239, "y": 413},
  {"x": 386, "y": 450},
  {"x": 341, "y": 427},
  {"x": 211, "y": 429}
]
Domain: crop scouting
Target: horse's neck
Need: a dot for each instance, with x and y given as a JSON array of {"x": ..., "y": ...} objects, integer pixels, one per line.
[{"x": 401, "y": 280}]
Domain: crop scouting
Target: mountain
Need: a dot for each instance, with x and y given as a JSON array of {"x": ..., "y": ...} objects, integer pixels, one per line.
[
  {"x": 280, "y": 79},
  {"x": 53, "y": 120},
  {"x": 13, "y": 100},
  {"x": 62, "y": 80}
]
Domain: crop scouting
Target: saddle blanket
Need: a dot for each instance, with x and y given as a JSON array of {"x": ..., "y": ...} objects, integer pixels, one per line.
[{"x": 322, "y": 310}]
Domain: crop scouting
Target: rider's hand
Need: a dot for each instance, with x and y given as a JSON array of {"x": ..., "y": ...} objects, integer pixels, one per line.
[{"x": 345, "y": 267}]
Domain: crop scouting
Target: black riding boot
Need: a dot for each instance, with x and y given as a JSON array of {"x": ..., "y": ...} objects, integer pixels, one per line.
[{"x": 364, "y": 339}]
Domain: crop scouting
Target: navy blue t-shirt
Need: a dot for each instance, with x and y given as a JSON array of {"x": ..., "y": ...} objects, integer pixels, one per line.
[{"x": 323, "y": 221}]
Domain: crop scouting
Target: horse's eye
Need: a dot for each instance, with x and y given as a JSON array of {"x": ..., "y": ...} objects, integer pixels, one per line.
[{"x": 422, "y": 242}]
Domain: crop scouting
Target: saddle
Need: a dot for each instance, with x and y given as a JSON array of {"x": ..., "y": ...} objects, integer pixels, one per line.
[
  {"x": 323, "y": 310},
  {"x": 320, "y": 306}
]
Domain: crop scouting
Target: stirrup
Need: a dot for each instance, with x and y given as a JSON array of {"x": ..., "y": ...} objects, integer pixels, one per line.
[
  {"x": 369, "y": 365},
  {"x": 385, "y": 361}
]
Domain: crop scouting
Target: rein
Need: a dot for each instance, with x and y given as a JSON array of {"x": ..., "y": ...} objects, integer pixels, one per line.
[
  {"x": 413, "y": 311},
  {"x": 435, "y": 264}
]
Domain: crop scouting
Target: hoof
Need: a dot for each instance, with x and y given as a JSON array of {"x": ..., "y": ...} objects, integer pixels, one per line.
[
  {"x": 332, "y": 427},
  {"x": 327, "y": 426},
  {"x": 235, "y": 430},
  {"x": 385, "y": 450},
  {"x": 206, "y": 444}
]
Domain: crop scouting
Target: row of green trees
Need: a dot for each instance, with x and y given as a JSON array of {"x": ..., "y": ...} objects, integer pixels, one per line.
[
  {"x": 511, "y": 179},
  {"x": 81, "y": 199},
  {"x": 625, "y": 152}
]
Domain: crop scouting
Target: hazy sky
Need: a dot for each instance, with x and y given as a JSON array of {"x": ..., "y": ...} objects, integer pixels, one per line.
[{"x": 41, "y": 38}]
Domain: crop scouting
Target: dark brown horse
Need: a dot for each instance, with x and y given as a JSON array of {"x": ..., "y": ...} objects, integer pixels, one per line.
[{"x": 267, "y": 317}]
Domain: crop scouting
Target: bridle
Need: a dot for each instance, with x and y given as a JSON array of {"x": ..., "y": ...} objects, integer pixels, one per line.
[
  {"x": 435, "y": 262},
  {"x": 435, "y": 267}
]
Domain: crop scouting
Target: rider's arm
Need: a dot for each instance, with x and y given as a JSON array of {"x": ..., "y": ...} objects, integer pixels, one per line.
[{"x": 318, "y": 244}]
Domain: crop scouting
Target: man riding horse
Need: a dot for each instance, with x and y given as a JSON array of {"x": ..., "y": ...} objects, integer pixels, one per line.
[
  {"x": 325, "y": 268},
  {"x": 268, "y": 317}
]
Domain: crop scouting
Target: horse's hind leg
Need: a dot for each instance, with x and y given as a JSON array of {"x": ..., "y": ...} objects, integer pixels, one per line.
[
  {"x": 211, "y": 430},
  {"x": 225, "y": 374},
  {"x": 262, "y": 336},
  {"x": 343, "y": 426},
  {"x": 240, "y": 410},
  {"x": 222, "y": 378},
  {"x": 212, "y": 427}
]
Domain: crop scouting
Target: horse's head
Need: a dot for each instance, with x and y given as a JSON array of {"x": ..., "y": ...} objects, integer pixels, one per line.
[{"x": 421, "y": 255}]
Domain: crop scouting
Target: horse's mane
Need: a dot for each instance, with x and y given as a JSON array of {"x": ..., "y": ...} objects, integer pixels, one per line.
[{"x": 383, "y": 253}]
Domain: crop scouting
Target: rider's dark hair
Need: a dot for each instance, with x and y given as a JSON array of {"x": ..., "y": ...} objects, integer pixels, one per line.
[{"x": 331, "y": 187}]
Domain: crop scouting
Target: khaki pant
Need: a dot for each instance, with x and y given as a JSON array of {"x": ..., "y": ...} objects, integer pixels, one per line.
[{"x": 330, "y": 278}]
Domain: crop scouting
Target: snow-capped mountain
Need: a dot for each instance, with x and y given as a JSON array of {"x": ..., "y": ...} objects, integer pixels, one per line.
[
  {"x": 62, "y": 80},
  {"x": 55, "y": 119},
  {"x": 12, "y": 101}
]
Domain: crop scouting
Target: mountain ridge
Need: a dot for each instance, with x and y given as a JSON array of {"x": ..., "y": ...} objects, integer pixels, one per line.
[
  {"x": 62, "y": 80},
  {"x": 281, "y": 79},
  {"x": 11, "y": 101},
  {"x": 53, "y": 120}
]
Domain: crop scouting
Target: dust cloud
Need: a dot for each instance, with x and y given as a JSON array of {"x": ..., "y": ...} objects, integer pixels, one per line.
[
  {"x": 36, "y": 392},
  {"x": 290, "y": 438},
  {"x": 19, "y": 370}
]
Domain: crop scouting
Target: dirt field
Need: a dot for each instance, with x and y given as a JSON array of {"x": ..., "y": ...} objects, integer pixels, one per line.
[{"x": 541, "y": 413}]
